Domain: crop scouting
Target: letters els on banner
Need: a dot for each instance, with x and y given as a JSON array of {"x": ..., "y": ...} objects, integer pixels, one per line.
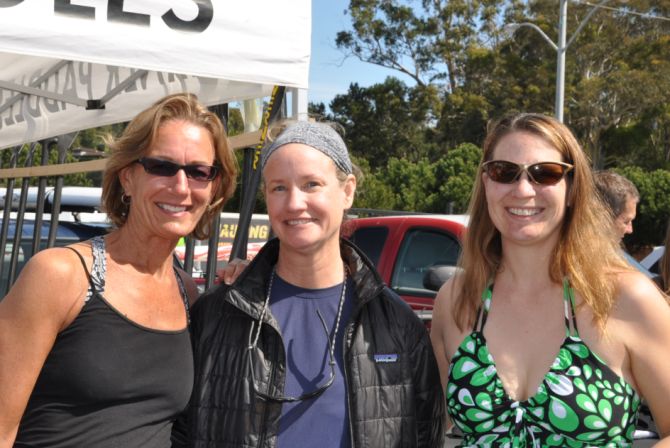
[
  {"x": 67, "y": 65},
  {"x": 116, "y": 13}
]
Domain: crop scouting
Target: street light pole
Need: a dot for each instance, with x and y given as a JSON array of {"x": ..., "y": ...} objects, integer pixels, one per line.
[
  {"x": 560, "y": 59},
  {"x": 561, "y": 47}
]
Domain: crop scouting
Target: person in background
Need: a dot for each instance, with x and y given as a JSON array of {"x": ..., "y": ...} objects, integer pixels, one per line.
[
  {"x": 308, "y": 347},
  {"x": 94, "y": 341},
  {"x": 621, "y": 197},
  {"x": 548, "y": 337}
]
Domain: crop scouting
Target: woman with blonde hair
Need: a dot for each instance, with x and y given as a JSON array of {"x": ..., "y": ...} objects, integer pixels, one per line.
[
  {"x": 94, "y": 340},
  {"x": 548, "y": 337}
]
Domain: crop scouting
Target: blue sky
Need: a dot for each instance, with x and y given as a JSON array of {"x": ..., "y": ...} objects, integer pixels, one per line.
[{"x": 329, "y": 73}]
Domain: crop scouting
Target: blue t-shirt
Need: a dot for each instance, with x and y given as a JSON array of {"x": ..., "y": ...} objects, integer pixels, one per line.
[{"x": 322, "y": 421}]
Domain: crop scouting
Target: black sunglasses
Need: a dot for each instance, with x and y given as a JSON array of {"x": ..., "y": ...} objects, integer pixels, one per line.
[
  {"x": 165, "y": 168},
  {"x": 288, "y": 399},
  {"x": 542, "y": 173}
]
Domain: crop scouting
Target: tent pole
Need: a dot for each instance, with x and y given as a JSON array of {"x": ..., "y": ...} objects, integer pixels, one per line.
[
  {"x": 239, "y": 249},
  {"x": 213, "y": 243},
  {"x": 39, "y": 206},
  {"x": 6, "y": 213},
  {"x": 18, "y": 223}
]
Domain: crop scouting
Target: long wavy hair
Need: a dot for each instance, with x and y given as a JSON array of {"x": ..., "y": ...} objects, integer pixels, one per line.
[
  {"x": 587, "y": 251},
  {"x": 142, "y": 132}
]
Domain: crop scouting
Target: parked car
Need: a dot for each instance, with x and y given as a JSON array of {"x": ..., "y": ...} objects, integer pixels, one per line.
[
  {"x": 652, "y": 260},
  {"x": 639, "y": 266},
  {"x": 414, "y": 254},
  {"x": 67, "y": 233}
]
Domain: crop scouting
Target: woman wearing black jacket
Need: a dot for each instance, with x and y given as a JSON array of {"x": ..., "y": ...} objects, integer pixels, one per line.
[{"x": 308, "y": 347}]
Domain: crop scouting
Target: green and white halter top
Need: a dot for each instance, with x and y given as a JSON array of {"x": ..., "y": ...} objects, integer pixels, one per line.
[{"x": 581, "y": 402}]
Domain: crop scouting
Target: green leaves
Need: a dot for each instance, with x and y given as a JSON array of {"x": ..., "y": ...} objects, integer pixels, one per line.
[
  {"x": 424, "y": 40},
  {"x": 388, "y": 120},
  {"x": 617, "y": 87},
  {"x": 443, "y": 186}
]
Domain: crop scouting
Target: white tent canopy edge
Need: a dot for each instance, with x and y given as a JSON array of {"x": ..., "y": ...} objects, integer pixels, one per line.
[{"x": 68, "y": 65}]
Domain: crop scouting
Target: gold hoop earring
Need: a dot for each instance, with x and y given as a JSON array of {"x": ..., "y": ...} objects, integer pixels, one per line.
[{"x": 214, "y": 204}]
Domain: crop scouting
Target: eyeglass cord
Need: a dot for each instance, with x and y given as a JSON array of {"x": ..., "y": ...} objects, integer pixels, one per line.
[{"x": 340, "y": 306}]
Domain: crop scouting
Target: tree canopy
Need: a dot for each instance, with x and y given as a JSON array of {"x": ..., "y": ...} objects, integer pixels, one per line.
[{"x": 468, "y": 69}]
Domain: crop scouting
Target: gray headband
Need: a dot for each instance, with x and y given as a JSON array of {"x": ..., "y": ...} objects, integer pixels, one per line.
[{"x": 317, "y": 135}]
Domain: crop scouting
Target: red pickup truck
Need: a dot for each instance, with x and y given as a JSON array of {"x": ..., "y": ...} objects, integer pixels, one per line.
[{"x": 412, "y": 253}]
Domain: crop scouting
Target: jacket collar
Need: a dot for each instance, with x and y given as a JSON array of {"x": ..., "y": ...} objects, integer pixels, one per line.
[{"x": 249, "y": 290}]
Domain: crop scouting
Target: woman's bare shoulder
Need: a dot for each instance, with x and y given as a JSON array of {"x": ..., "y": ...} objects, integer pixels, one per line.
[
  {"x": 444, "y": 308},
  {"x": 636, "y": 292},
  {"x": 451, "y": 289},
  {"x": 56, "y": 262},
  {"x": 52, "y": 281},
  {"x": 640, "y": 305},
  {"x": 447, "y": 294}
]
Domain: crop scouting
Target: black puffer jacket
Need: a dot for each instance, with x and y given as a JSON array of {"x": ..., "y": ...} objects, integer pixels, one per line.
[{"x": 390, "y": 404}]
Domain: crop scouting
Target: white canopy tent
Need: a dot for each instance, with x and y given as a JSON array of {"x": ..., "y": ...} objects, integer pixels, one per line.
[{"x": 67, "y": 65}]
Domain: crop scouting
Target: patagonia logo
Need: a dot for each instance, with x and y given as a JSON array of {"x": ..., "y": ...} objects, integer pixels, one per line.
[{"x": 391, "y": 357}]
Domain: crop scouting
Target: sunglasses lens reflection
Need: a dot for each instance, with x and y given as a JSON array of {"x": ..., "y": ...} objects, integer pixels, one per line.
[
  {"x": 165, "y": 168},
  {"x": 503, "y": 172},
  {"x": 160, "y": 167},
  {"x": 545, "y": 173}
]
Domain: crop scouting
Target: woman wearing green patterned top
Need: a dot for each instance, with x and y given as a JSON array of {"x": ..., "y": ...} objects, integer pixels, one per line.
[{"x": 548, "y": 337}]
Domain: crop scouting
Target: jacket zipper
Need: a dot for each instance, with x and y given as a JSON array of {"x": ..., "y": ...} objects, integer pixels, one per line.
[
  {"x": 271, "y": 382},
  {"x": 346, "y": 379},
  {"x": 349, "y": 339}
]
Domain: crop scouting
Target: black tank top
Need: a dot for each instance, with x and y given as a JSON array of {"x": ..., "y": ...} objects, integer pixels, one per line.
[{"x": 109, "y": 382}]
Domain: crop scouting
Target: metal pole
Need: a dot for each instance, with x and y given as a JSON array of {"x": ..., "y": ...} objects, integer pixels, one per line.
[
  {"x": 40, "y": 199},
  {"x": 63, "y": 143},
  {"x": 213, "y": 243},
  {"x": 55, "y": 203},
  {"x": 6, "y": 214},
  {"x": 299, "y": 104},
  {"x": 18, "y": 229},
  {"x": 189, "y": 247},
  {"x": 272, "y": 113},
  {"x": 561, "y": 48},
  {"x": 560, "y": 59}
]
